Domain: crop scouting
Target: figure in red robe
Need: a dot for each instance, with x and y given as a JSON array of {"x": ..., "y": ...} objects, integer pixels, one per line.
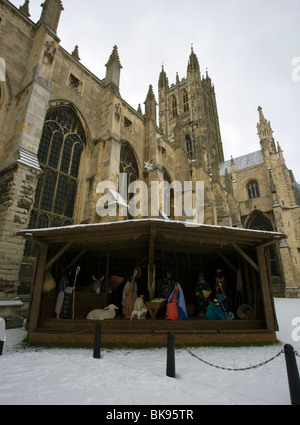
[{"x": 176, "y": 308}]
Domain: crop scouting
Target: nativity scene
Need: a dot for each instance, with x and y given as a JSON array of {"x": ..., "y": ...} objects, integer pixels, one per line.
[{"x": 210, "y": 285}]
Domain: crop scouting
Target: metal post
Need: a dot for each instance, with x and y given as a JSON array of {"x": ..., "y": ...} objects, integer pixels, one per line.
[
  {"x": 171, "y": 356},
  {"x": 97, "y": 342},
  {"x": 293, "y": 374},
  {"x": 2, "y": 334}
]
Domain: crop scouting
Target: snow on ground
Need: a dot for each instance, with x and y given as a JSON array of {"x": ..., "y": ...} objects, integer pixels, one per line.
[{"x": 36, "y": 376}]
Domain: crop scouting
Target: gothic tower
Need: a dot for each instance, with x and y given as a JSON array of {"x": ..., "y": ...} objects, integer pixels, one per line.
[{"x": 191, "y": 102}]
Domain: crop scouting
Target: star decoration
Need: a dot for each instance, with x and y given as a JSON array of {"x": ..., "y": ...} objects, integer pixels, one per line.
[{"x": 149, "y": 166}]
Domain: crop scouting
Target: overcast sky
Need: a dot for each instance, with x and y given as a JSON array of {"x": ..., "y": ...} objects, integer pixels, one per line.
[{"x": 250, "y": 48}]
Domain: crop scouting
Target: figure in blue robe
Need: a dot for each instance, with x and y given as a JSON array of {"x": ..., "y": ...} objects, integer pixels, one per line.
[
  {"x": 176, "y": 308},
  {"x": 219, "y": 308}
]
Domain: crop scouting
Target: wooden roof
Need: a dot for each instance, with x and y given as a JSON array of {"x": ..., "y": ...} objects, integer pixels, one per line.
[{"x": 173, "y": 235}]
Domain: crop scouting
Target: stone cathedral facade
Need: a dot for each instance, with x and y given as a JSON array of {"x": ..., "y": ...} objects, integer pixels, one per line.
[{"x": 64, "y": 130}]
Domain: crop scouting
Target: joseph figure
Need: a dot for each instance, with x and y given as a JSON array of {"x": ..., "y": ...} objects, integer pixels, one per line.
[{"x": 203, "y": 292}]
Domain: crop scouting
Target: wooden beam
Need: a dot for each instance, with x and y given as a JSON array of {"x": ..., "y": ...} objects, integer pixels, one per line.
[
  {"x": 267, "y": 244},
  {"x": 245, "y": 256},
  {"x": 74, "y": 260},
  {"x": 227, "y": 261},
  {"x": 58, "y": 255}
]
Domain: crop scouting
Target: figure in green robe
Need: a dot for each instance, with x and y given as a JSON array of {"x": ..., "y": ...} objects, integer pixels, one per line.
[{"x": 203, "y": 292}]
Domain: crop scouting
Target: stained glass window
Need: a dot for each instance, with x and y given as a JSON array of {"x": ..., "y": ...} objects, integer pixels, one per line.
[
  {"x": 174, "y": 106},
  {"x": 59, "y": 155},
  {"x": 185, "y": 101},
  {"x": 253, "y": 190}
]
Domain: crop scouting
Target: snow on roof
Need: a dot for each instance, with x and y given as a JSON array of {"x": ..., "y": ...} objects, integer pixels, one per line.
[
  {"x": 95, "y": 226},
  {"x": 11, "y": 303},
  {"x": 242, "y": 162}
]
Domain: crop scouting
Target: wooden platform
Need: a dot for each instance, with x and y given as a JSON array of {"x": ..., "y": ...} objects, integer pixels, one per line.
[{"x": 121, "y": 331}]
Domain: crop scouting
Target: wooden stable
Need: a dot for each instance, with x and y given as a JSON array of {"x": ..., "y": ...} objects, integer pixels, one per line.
[{"x": 156, "y": 246}]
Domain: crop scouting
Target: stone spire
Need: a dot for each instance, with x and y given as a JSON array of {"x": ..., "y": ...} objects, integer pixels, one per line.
[
  {"x": 25, "y": 9},
  {"x": 113, "y": 69},
  {"x": 265, "y": 134},
  {"x": 75, "y": 53},
  {"x": 163, "y": 79},
  {"x": 264, "y": 126},
  {"x": 150, "y": 105},
  {"x": 193, "y": 65},
  {"x": 51, "y": 14}
]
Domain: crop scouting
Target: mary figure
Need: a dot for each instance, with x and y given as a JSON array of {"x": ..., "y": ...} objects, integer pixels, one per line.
[{"x": 176, "y": 308}]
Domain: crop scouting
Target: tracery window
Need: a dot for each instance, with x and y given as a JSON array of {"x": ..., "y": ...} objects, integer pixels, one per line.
[
  {"x": 189, "y": 146},
  {"x": 253, "y": 190},
  {"x": 168, "y": 197},
  {"x": 174, "y": 107},
  {"x": 59, "y": 154},
  {"x": 185, "y": 101},
  {"x": 128, "y": 165},
  {"x": 262, "y": 223}
]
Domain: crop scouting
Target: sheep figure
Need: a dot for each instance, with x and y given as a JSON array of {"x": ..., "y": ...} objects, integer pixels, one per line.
[
  {"x": 107, "y": 313},
  {"x": 139, "y": 313}
]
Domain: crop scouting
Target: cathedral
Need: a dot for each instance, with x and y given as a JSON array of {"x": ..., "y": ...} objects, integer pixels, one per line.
[{"x": 63, "y": 130}]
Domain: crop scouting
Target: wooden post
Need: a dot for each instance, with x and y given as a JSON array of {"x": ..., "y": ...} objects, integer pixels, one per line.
[
  {"x": 151, "y": 266},
  {"x": 268, "y": 264},
  {"x": 36, "y": 295},
  {"x": 265, "y": 286},
  {"x": 107, "y": 270}
]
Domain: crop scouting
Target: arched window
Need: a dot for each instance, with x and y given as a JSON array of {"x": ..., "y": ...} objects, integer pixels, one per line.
[
  {"x": 185, "y": 101},
  {"x": 253, "y": 189},
  {"x": 260, "y": 222},
  {"x": 189, "y": 146},
  {"x": 174, "y": 107},
  {"x": 59, "y": 154},
  {"x": 129, "y": 166},
  {"x": 168, "y": 197}
]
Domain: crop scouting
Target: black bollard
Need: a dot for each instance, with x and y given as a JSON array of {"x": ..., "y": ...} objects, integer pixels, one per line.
[
  {"x": 2, "y": 334},
  {"x": 293, "y": 374},
  {"x": 97, "y": 342},
  {"x": 171, "y": 356}
]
